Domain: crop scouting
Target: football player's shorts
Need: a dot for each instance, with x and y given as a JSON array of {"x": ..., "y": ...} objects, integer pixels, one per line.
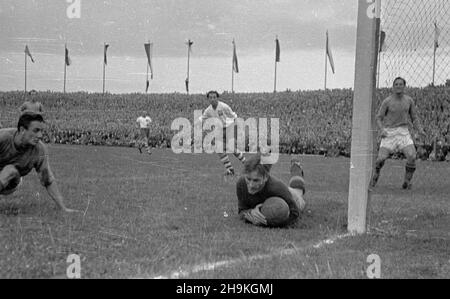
[
  {"x": 397, "y": 139},
  {"x": 145, "y": 132}
]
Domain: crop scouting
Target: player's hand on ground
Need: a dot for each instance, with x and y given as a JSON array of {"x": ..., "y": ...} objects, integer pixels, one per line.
[{"x": 257, "y": 216}]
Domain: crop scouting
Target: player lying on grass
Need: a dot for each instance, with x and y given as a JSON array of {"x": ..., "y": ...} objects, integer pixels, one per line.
[
  {"x": 143, "y": 122},
  {"x": 393, "y": 120},
  {"x": 21, "y": 150},
  {"x": 257, "y": 185},
  {"x": 227, "y": 116}
]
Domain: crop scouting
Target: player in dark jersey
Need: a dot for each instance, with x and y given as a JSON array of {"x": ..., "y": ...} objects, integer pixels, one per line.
[
  {"x": 257, "y": 185},
  {"x": 21, "y": 151},
  {"x": 393, "y": 120}
]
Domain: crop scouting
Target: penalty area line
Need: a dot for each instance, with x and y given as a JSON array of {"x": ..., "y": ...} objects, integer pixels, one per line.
[{"x": 183, "y": 273}]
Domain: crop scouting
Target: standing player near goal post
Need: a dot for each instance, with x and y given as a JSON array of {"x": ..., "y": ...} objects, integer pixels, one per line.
[
  {"x": 393, "y": 121},
  {"x": 143, "y": 123}
]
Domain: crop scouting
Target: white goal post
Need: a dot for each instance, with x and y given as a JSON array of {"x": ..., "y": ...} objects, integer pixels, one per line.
[{"x": 363, "y": 124}]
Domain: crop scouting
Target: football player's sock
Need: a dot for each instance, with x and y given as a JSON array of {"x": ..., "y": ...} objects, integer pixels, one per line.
[
  {"x": 409, "y": 173},
  {"x": 238, "y": 154},
  {"x": 376, "y": 175},
  {"x": 226, "y": 162}
]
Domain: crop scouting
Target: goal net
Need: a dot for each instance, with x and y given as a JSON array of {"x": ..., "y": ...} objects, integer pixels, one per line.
[{"x": 415, "y": 42}]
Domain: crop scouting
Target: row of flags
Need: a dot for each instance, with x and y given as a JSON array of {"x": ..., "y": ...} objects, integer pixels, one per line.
[
  {"x": 235, "y": 65},
  {"x": 148, "y": 51}
]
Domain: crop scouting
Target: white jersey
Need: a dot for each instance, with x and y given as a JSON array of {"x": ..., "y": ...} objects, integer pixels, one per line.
[
  {"x": 223, "y": 112},
  {"x": 144, "y": 122}
]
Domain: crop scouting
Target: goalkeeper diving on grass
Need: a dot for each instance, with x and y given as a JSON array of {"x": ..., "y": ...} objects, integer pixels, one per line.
[{"x": 264, "y": 200}]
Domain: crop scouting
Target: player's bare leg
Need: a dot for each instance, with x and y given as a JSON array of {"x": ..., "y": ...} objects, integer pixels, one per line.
[
  {"x": 383, "y": 155},
  {"x": 147, "y": 142},
  {"x": 411, "y": 156},
  {"x": 297, "y": 184}
]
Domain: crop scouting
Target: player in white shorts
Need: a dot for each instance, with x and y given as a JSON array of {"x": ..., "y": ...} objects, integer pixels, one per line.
[
  {"x": 393, "y": 119},
  {"x": 143, "y": 123},
  {"x": 227, "y": 117}
]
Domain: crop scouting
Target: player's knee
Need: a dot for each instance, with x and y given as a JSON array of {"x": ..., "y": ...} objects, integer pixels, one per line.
[
  {"x": 411, "y": 157},
  {"x": 11, "y": 172}
]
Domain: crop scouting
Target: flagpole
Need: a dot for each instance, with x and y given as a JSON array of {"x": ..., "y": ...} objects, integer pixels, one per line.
[
  {"x": 104, "y": 67},
  {"x": 25, "y": 74},
  {"x": 275, "y": 79},
  {"x": 189, "y": 52},
  {"x": 65, "y": 66},
  {"x": 326, "y": 61},
  {"x": 434, "y": 63},
  {"x": 147, "y": 82},
  {"x": 232, "y": 70}
]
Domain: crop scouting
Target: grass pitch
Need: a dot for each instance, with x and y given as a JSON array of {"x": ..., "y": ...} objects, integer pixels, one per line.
[{"x": 148, "y": 216}]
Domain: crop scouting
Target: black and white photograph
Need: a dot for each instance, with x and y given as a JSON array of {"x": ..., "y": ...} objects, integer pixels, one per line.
[{"x": 225, "y": 145}]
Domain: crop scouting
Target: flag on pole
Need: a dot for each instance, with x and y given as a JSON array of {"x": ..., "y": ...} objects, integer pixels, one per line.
[
  {"x": 27, "y": 51},
  {"x": 235, "y": 59},
  {"x": 104, "y": 54},
  {"x": 437, "y": 33},
  {"x": 277, "y": 50},
  {"x": 148, "y": 50},
  {"x": 329, "y": 54},
  {"x": 147, "y": 86},
  {"x": 187, "y": 84},
  {"x": 189, "y": 44},
  {"x": 67, "y": 58},
  {"x": 382, "y": 41}
]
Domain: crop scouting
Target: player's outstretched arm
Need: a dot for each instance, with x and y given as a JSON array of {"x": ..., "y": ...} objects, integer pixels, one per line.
[{"x": 54, "y": 193}]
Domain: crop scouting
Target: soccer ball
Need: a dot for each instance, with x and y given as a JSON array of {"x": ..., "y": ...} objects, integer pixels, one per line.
[{"x": 276, "y": 211}]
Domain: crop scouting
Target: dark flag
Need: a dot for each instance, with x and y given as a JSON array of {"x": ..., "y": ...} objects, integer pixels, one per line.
[
  {"x": 329, "y": 54},
  {"x": 148, "y": 51},
  {"x": 277, "y": 50},
  {"x": 382, "y": 41},
  {"x": 235, "y": 59},
  {"x": 104, "y": 54},
  {"x": 27, "y": 51},
  {"x": 68, "y": 60},
  {"x": 189, "y": 44},
  {"x": 437, "y": 33},
  {"x": 148, "y": 84}
]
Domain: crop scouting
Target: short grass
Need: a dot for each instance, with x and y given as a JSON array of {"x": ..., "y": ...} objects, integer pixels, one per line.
[{"x": 150, "y": 216}]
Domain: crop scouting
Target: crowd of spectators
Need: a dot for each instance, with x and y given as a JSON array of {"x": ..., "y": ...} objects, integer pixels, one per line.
[{"x": 311, "y": 122}]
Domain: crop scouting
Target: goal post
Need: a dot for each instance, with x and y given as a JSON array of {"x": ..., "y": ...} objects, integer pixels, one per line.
[{"x": 363, "y": 123}]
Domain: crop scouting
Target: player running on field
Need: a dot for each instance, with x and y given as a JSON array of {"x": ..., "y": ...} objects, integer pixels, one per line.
[
  {"x": 143, "y": 123},
  {"x": 227, "y": 116},
  {"x": 393, "y": 120},
  {"x": 257, "y": 185},
  {"x": 21, "y": 150}
]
